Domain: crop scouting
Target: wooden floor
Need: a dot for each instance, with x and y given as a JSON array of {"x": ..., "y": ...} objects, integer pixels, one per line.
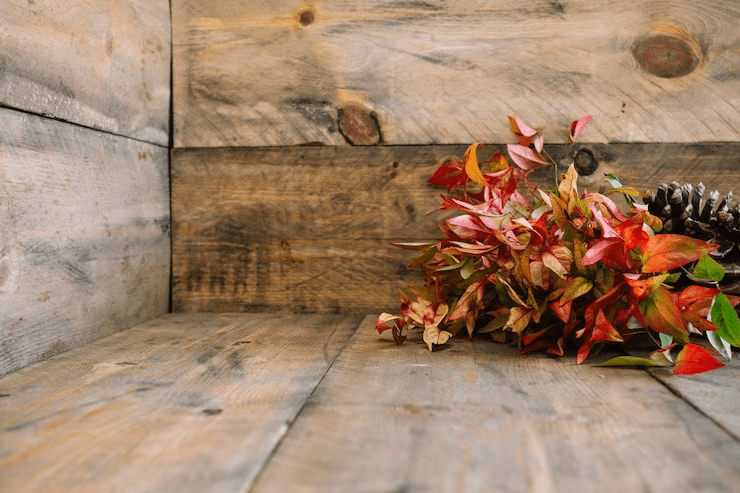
[{"x": 238, "y": 403}]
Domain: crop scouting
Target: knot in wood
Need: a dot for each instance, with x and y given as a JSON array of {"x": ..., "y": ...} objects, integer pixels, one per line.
[
  {"x": 359, "y": 126},
  {"x": 585, "y": 162},
  {"x": 306, "y": 17},
  {"x": 666, "y": 55}
]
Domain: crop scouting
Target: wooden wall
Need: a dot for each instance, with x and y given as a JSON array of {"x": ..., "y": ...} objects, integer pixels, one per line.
[
  {"x": 84, "y": 176},
  {"x": 265, "y": 218},
  {"x": 431, "y": 72}
]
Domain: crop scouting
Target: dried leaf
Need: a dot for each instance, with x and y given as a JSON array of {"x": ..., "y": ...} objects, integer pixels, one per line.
[
  {"x": 519, "y": 318},
  {"x": 433, "y": 335},
  {"x": 398, "y": 324},
  {"x": 569, "y": 184}
]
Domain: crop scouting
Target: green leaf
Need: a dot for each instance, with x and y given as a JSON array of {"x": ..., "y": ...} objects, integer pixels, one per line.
[
  {"x": 495, "y": 324},
  {"x": 707, "y": 268},
  {"x": 577, "y": 287},
  {"x": 633, "y": 361},
  {"x": 725, "y": 317},
  {"x": 468, "y": 268},
  {"x": 613, "y": 181},
  {"x": 665, "y": 339}
]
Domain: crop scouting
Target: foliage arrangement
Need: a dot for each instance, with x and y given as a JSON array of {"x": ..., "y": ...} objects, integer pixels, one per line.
[{"x": 552, "y": 270}]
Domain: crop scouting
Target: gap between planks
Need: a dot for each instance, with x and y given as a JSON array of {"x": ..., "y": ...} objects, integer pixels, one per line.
[{"x": 50, "y": 117}]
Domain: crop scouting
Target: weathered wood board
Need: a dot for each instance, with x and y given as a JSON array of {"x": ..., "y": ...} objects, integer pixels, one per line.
[
  {"x": 714, "y": 393},
  {"x": 308, "y": 229},
  {"x": 193, "y": 403},
  {"x": 101, "y": 64},
  {"x": 84, "y": 236},
  {"x": 431, "y": 72},
  {"x": 479, "y": 417}
]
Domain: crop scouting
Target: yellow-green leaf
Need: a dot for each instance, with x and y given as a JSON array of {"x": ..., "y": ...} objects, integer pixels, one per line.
[{"x": 633, "y": 361}]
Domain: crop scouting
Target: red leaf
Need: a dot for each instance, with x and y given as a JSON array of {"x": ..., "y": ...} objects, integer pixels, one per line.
[
  {"x": 562, "y": 311},
  {"x": 577, "y": 126},
  {"x": 664, "y": 252},
  {"x": 694, "y": 293},
  {"x": 662, "y": 315},
  {"x": 398, "y": 324},
  {"x": 604, "y": 330},
  {"x": 599, "y": 250},
  {"x": 695, "y": 359},
  {"x": 450, "y": 175}
]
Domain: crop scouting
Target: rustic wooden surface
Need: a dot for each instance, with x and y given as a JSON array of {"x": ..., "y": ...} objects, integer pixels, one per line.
[
  {"x": 479, "y": 417},
  {"x": 180, "y": 404},
  {"x": 84, "y": 236},
  {"x": 309, "y": 228},
  {"x": 256, "y": 402},
  {"x": 103, "y": 64},
  {"x": 295, "y": 71}
]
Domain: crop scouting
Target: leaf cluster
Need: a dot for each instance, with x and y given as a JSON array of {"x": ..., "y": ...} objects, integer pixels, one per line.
[{"x": 558, "y": 269}]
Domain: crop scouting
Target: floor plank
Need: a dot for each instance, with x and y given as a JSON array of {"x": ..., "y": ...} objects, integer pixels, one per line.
[
  {"x": 479, "y": 417},
  {"x": 185, "y": 403},
  {"x": 716, "y": 393}
]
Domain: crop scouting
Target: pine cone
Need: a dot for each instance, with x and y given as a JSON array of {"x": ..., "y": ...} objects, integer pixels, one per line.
[{"x": 684, "y": 210}]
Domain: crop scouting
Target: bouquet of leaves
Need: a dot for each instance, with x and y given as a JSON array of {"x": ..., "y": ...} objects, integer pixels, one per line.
[{"x": 552, "y": 270}]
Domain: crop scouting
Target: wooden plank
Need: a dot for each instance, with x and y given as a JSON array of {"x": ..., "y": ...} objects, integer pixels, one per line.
[
  {"x": 479, "y": 417},
  {"x": 191, "y": 403},
  {"x": 308, "y": 228},
  {"x": 293, "y": 71},
  {"x": 104, "y": 65},
  {"x": 84, "y": 236},
  {"x": 715, "y": 393}
]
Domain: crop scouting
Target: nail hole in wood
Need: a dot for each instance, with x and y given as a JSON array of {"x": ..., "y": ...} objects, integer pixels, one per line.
[
  {"x": 585, "y": 162},
  {"x": 667, "y": 55}
]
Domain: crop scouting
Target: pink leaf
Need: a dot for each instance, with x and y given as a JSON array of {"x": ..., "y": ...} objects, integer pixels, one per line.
[
  {"x": 597, "y": 252},
  {"x": 577, "y": 126},
  {"x": 526, "y": 158}
]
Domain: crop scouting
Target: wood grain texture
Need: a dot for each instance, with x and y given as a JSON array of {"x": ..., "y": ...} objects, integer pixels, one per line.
[
  {"x": 104, "y": 65},
  {"x": 279, "y": 72},
  {"x": 191, "y": 403},
  {"x": 714, "y": 393},
  {"x": 84, "y": 236},
  {"x": 308, "y": 229},
  {"x": 477, "y": 416}
]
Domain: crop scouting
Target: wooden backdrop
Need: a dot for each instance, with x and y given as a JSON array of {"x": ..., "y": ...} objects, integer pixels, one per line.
[
  {"x": 305, "y": 131},
  {"x": 84, "y": 177}
]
